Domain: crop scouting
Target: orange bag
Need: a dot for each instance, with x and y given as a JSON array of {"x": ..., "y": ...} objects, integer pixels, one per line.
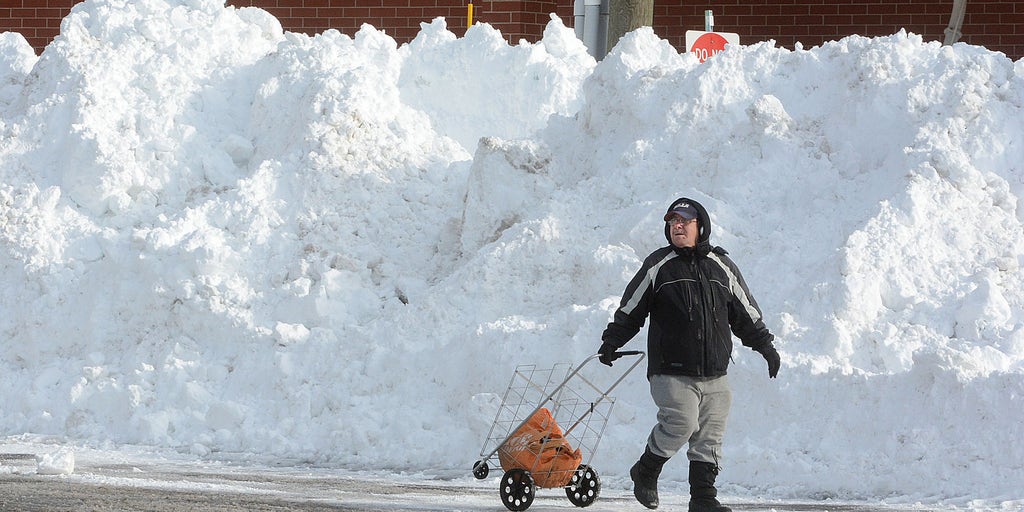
[{"x": 539, "y": 447}]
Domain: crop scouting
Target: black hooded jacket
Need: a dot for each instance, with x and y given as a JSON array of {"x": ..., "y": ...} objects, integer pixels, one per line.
[{"x": 695, "y": 297}]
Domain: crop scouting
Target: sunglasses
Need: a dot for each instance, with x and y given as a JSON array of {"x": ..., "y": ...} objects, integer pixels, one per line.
[{"x": 679, "y": 220}]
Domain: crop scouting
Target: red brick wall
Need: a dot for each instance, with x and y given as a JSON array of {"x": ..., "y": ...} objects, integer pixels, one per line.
[
  {"x": 37, "y": 20},
  {"x": 995, "y": 24},
  {"x": 400, "y": 19}
]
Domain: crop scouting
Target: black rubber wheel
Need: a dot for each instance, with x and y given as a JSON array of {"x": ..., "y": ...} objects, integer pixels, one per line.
[
  {"x": 517, "y": 490},
  {"x": 584, "y": 487},
  {"x": 480, "y": 469}
]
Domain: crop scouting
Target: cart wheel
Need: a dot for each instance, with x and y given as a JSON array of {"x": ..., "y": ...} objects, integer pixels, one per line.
[
  {"x": 584, "y": 487},
  {"x": 480, "y": 469},
  {"x": 517, "y": 489}
]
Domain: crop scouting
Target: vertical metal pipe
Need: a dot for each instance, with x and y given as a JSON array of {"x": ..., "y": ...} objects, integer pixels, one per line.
[
  {"x": 578, "y": 16},
  {"x": 956, "y": 22},
  {"x": 591, "y": 25}
]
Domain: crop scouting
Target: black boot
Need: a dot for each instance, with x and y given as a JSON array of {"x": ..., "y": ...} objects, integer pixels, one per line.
[
  {"x": 703, "y": 495},
  {"x": 645, "y": 478}
]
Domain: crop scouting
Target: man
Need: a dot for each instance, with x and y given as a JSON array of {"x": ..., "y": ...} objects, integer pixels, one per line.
[{"x": 695, "y": 296}]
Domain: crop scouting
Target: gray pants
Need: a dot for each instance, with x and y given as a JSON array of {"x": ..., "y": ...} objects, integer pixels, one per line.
[{"x": 690, "y": 410}]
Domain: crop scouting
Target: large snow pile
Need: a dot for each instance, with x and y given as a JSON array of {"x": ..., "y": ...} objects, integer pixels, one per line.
[{"x": 218, "y": 236}]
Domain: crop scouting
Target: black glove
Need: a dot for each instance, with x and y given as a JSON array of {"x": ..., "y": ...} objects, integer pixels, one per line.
[
  {"x": 772, "y": 356},
  {"x": 608, "y": 353}
]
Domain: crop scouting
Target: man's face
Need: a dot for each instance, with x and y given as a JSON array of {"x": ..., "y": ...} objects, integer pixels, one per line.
[{"x": 683, "y": 232}]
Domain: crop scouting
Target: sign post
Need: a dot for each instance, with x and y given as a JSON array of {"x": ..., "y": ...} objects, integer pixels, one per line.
[{"x": 706, "y": 44}]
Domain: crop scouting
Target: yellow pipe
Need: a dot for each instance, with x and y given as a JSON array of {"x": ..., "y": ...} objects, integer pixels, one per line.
[{"x": 469, "y": 15}]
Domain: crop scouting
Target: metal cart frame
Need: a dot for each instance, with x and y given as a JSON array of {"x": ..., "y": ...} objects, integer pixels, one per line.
[{"x": 575, "y": 399}]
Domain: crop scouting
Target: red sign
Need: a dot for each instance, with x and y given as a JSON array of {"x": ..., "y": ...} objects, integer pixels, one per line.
[{"x": 707, "y": 44}]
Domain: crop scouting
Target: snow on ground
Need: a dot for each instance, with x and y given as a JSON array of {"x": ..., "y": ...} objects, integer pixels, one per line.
[{"x": 219, "y": 237}]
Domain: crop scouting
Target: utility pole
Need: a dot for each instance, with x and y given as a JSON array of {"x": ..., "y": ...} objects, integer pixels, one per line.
[{"x": 628, "y": 15}]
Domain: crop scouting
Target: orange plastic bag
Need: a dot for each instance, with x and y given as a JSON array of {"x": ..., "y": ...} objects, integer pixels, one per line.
[{"x": 539, "y": 447}]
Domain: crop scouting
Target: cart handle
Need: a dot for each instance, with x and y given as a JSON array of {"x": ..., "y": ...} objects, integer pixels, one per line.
[
  {"x": 618, "y": 353},
  {"x": 608, "y": 391}
]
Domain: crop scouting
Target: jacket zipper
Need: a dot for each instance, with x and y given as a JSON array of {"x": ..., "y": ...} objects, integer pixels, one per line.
[{"x": 702, "y": 328}]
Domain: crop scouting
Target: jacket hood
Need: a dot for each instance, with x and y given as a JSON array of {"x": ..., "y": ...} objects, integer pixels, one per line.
[{"x": 703, "y": 220}]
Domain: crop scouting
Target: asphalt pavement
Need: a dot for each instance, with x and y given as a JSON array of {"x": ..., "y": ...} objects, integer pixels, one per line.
[{"x": 181, "y": 486}]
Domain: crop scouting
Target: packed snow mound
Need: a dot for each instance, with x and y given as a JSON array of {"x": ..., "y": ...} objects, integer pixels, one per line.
[
  {"x": 59, "y": 462},
  {"x": 219, "y": 236},
  {"x": 16, "y": 60}
]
